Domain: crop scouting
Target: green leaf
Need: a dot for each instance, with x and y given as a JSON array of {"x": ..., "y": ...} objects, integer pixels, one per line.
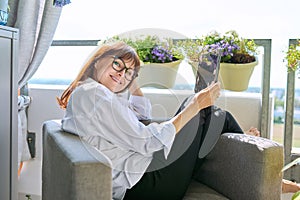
[{"x": 296, "y": 196}]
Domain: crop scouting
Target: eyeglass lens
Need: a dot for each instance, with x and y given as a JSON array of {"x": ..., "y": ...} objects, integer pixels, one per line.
[{"x": 119, "y": 66}]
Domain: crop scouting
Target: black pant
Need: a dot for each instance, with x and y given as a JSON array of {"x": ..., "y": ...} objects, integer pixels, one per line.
[{"x": 169, "y": 179}]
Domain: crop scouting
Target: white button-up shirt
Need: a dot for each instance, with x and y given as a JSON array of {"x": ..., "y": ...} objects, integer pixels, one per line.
[{"x": 110, "y": 122}]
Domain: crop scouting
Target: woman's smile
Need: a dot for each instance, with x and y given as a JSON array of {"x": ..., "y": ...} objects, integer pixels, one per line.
[{"x": 114, "y": 78}]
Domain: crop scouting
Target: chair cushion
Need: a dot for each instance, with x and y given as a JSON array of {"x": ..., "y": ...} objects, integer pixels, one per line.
[{"x": 198, "y": 190}]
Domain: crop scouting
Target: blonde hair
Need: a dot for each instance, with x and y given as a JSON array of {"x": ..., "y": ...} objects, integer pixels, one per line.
[{"x": 119, "y": 49}]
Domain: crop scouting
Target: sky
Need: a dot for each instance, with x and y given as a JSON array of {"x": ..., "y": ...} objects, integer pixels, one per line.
[{"x": 257, "y": 19}]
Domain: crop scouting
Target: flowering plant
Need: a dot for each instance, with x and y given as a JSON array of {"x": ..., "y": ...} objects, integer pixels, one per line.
[
  {"x": 151, "y": 49},
  {"x": 60, "y": 3},
  {"x": 191, "y": 48},
  {"x": 293, "y": 57},
  {"x": 234, "y": 48}
]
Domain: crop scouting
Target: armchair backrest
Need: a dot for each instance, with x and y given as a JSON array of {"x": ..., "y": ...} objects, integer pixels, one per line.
[{"x": 72, "y": 169}]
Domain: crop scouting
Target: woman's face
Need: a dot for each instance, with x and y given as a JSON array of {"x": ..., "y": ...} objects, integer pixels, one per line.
[{"x": 114, "y": 73}]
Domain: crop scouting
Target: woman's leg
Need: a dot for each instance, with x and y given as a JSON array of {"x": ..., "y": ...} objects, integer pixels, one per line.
[
  {"x": 229, "y": 123},
  {"x": 169, "y": 179},
  {"x": 213, "y": 113},
  {"x": 226, "y": 123}
]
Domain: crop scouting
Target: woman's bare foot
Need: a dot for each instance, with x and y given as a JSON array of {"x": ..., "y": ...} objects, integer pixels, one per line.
[
  {"x": 253, "y": 131},
  {"x": 290, "y": 186}
]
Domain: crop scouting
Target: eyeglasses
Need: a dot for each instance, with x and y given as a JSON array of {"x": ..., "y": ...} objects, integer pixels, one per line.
[{"x": 119, "y": 65}]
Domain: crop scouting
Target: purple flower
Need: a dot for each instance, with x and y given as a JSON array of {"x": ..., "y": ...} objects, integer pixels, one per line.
[
  {"x": 228, "y": 48},
  {"x": 161, "y": 55},
  {"x": 60, "y": 3}
]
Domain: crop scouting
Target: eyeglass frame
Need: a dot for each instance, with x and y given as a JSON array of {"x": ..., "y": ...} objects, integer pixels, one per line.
[{"x": 135, "y": 74}]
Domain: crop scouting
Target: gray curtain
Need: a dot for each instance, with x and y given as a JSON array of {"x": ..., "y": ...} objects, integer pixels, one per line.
[{"x": 37, "y": 21}]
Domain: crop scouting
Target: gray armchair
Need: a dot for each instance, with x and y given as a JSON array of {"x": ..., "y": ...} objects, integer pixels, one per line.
[{"x": 240, "y": 167}]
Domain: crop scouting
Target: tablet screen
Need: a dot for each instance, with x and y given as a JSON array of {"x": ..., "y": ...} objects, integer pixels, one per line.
[{"x": 208, "y": 68}]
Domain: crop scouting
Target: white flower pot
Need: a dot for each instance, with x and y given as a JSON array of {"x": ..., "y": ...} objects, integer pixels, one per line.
[
  {"x": 235, "y": 77},
  {"x": 158, "y": 75},
  {"x": 194, "y": 65}
]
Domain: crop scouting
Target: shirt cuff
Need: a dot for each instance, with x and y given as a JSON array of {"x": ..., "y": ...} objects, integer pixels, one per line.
[
  {"x": 166, "y": 136},
  {"x": 142, "y": 106}
]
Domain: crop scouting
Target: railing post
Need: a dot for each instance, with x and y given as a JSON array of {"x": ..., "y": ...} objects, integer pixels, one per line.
[
  {"x": 289, "y": 117},
  {"x": 265, "y": 115}
]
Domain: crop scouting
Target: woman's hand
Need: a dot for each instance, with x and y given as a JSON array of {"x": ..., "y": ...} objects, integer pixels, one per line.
[
  {"x": 202, "y": 99},
  {"x": 207, "y": 96},
  {"x": 134, "y": 89}
]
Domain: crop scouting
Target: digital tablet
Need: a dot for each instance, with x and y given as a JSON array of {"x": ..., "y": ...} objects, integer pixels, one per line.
[{"x": 208, "y": 68}]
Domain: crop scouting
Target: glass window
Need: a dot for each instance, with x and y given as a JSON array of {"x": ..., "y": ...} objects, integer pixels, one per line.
[{"x": 61, "y": 65}]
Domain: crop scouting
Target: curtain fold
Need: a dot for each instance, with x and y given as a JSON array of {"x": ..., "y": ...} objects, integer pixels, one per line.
[{"x": 37, "y": 21}]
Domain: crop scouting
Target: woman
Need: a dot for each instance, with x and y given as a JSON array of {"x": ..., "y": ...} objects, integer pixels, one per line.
[
  {"x": 97, "y": 111},
  {"x": 147, "y": 161}
]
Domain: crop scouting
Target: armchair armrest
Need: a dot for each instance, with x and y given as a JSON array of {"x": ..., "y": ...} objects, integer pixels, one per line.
[
  {"x": 244, "y": 167},
  {"x": 72, "y": 169}
]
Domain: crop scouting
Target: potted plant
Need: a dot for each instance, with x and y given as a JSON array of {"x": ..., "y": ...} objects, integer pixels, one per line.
[
  {"x": 191, "y": 49},
  {"x": 237, "y": 61},
  {"x": 160, "y": 57},
  {"x": 292, "y": 57}
]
